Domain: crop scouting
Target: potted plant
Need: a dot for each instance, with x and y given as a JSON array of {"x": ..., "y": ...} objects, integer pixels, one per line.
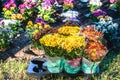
[
  {"x": 95, "y": 51},
  {"x": 108, "y": 28},
  {"x": 65, "y": 43},
  {"x": 94, "y": 4},
  {"x": 6, "y": 35},
  {"x": 32, "y": 29}
]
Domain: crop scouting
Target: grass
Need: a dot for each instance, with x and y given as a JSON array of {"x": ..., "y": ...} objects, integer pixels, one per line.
[{"x": 16, "y": 70}]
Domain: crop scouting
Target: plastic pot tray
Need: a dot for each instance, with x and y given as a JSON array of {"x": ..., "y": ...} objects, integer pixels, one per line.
[{"x": 46, "y": 72}]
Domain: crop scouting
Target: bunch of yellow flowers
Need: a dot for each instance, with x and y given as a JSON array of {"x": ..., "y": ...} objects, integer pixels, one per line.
[
  {"x": 69, "y": 43},
  {"x": 17, "y": 16},
  {"x": 8, "y": 12},
  {"x": 69, "y": 30},
  {"x": 32, "y": 29}
]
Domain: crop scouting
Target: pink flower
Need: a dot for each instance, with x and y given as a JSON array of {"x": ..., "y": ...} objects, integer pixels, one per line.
[
  {"x": 22, "y": 10},
  {"x": 14, "y": 5},
  {"x": 29, "y": 6},
  {"x": 32, "y": 3},
  {"x": 11, "y": 1},
  {"x": 21, "y": 6},
  {"x": 28, "y": 0},
  {"x": 7, "y": 6},
  {"x": 112, "y": 1}
]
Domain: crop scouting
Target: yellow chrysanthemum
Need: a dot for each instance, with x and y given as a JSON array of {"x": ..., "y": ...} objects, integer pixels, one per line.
[
  {"x": 68, "y": 43},
  {"x": 69, "y": 30}
]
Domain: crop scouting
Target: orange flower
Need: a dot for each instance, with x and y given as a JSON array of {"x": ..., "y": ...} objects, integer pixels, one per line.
[{"x": 95, "y": 50}]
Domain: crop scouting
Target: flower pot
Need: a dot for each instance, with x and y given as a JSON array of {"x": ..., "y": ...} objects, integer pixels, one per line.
[
  {"x": 72, "y": 66},
  {"x": 55, "y": 64},
  {"x": 89, "y": 67}
]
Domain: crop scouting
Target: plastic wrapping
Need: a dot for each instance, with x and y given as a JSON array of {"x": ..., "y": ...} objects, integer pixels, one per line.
[
  {"x": 89, "y": 67},
  {"x": 55, "y": 64},
  {"x": 72, "y": 66}
]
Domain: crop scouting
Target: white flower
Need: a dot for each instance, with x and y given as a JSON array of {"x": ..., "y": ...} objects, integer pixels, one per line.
[
  {"x": 70, "y": 14},
  {"x": 7, "y": 22},
  {"x": 95, "y": 2}
]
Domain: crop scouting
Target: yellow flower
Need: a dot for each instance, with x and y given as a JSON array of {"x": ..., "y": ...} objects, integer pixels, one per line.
[
  {"x": 19, "y": 16},
  {"x": 39, "y": 24},
  {"x": 30, "y": 23},
  {"x": 4, "y": 9},
  {"x": 93, "y": 54},
  {"x": 35, "y": 26},
  {"x": 7, "y": 12},
  {"x": 68, "y": 43},
  {"x": 35, "y": 32},
  {"x": 46, "y": 26},
  {"x": 13, "y": 16},
  {"x": 69, "y": 30}
]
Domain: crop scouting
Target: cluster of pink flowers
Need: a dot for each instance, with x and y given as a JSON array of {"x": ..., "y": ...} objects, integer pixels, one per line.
[
  {"x": 68, "y": 1},
  {"x": 112, "y": 1},
  {"x": 10, "y": 3},
  {"x": 27, "y": 4}
]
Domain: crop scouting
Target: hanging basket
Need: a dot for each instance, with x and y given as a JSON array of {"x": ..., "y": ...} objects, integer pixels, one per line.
[
  {"x": 72, "y": 66},
  {"x": 89, "y": 67},
  {"x": 55, "y": 64}
]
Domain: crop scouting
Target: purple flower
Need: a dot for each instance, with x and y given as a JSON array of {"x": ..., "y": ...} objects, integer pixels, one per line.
[
  {"x": 1, "y": 19},
  {"x": 99, "y": 12},
  {"x": 52, "y": 1},
  {"x": 38, "y": 20}
]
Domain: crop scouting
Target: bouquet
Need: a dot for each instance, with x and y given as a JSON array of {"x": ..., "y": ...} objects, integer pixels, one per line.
[{"x": 66, "y": 42}]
